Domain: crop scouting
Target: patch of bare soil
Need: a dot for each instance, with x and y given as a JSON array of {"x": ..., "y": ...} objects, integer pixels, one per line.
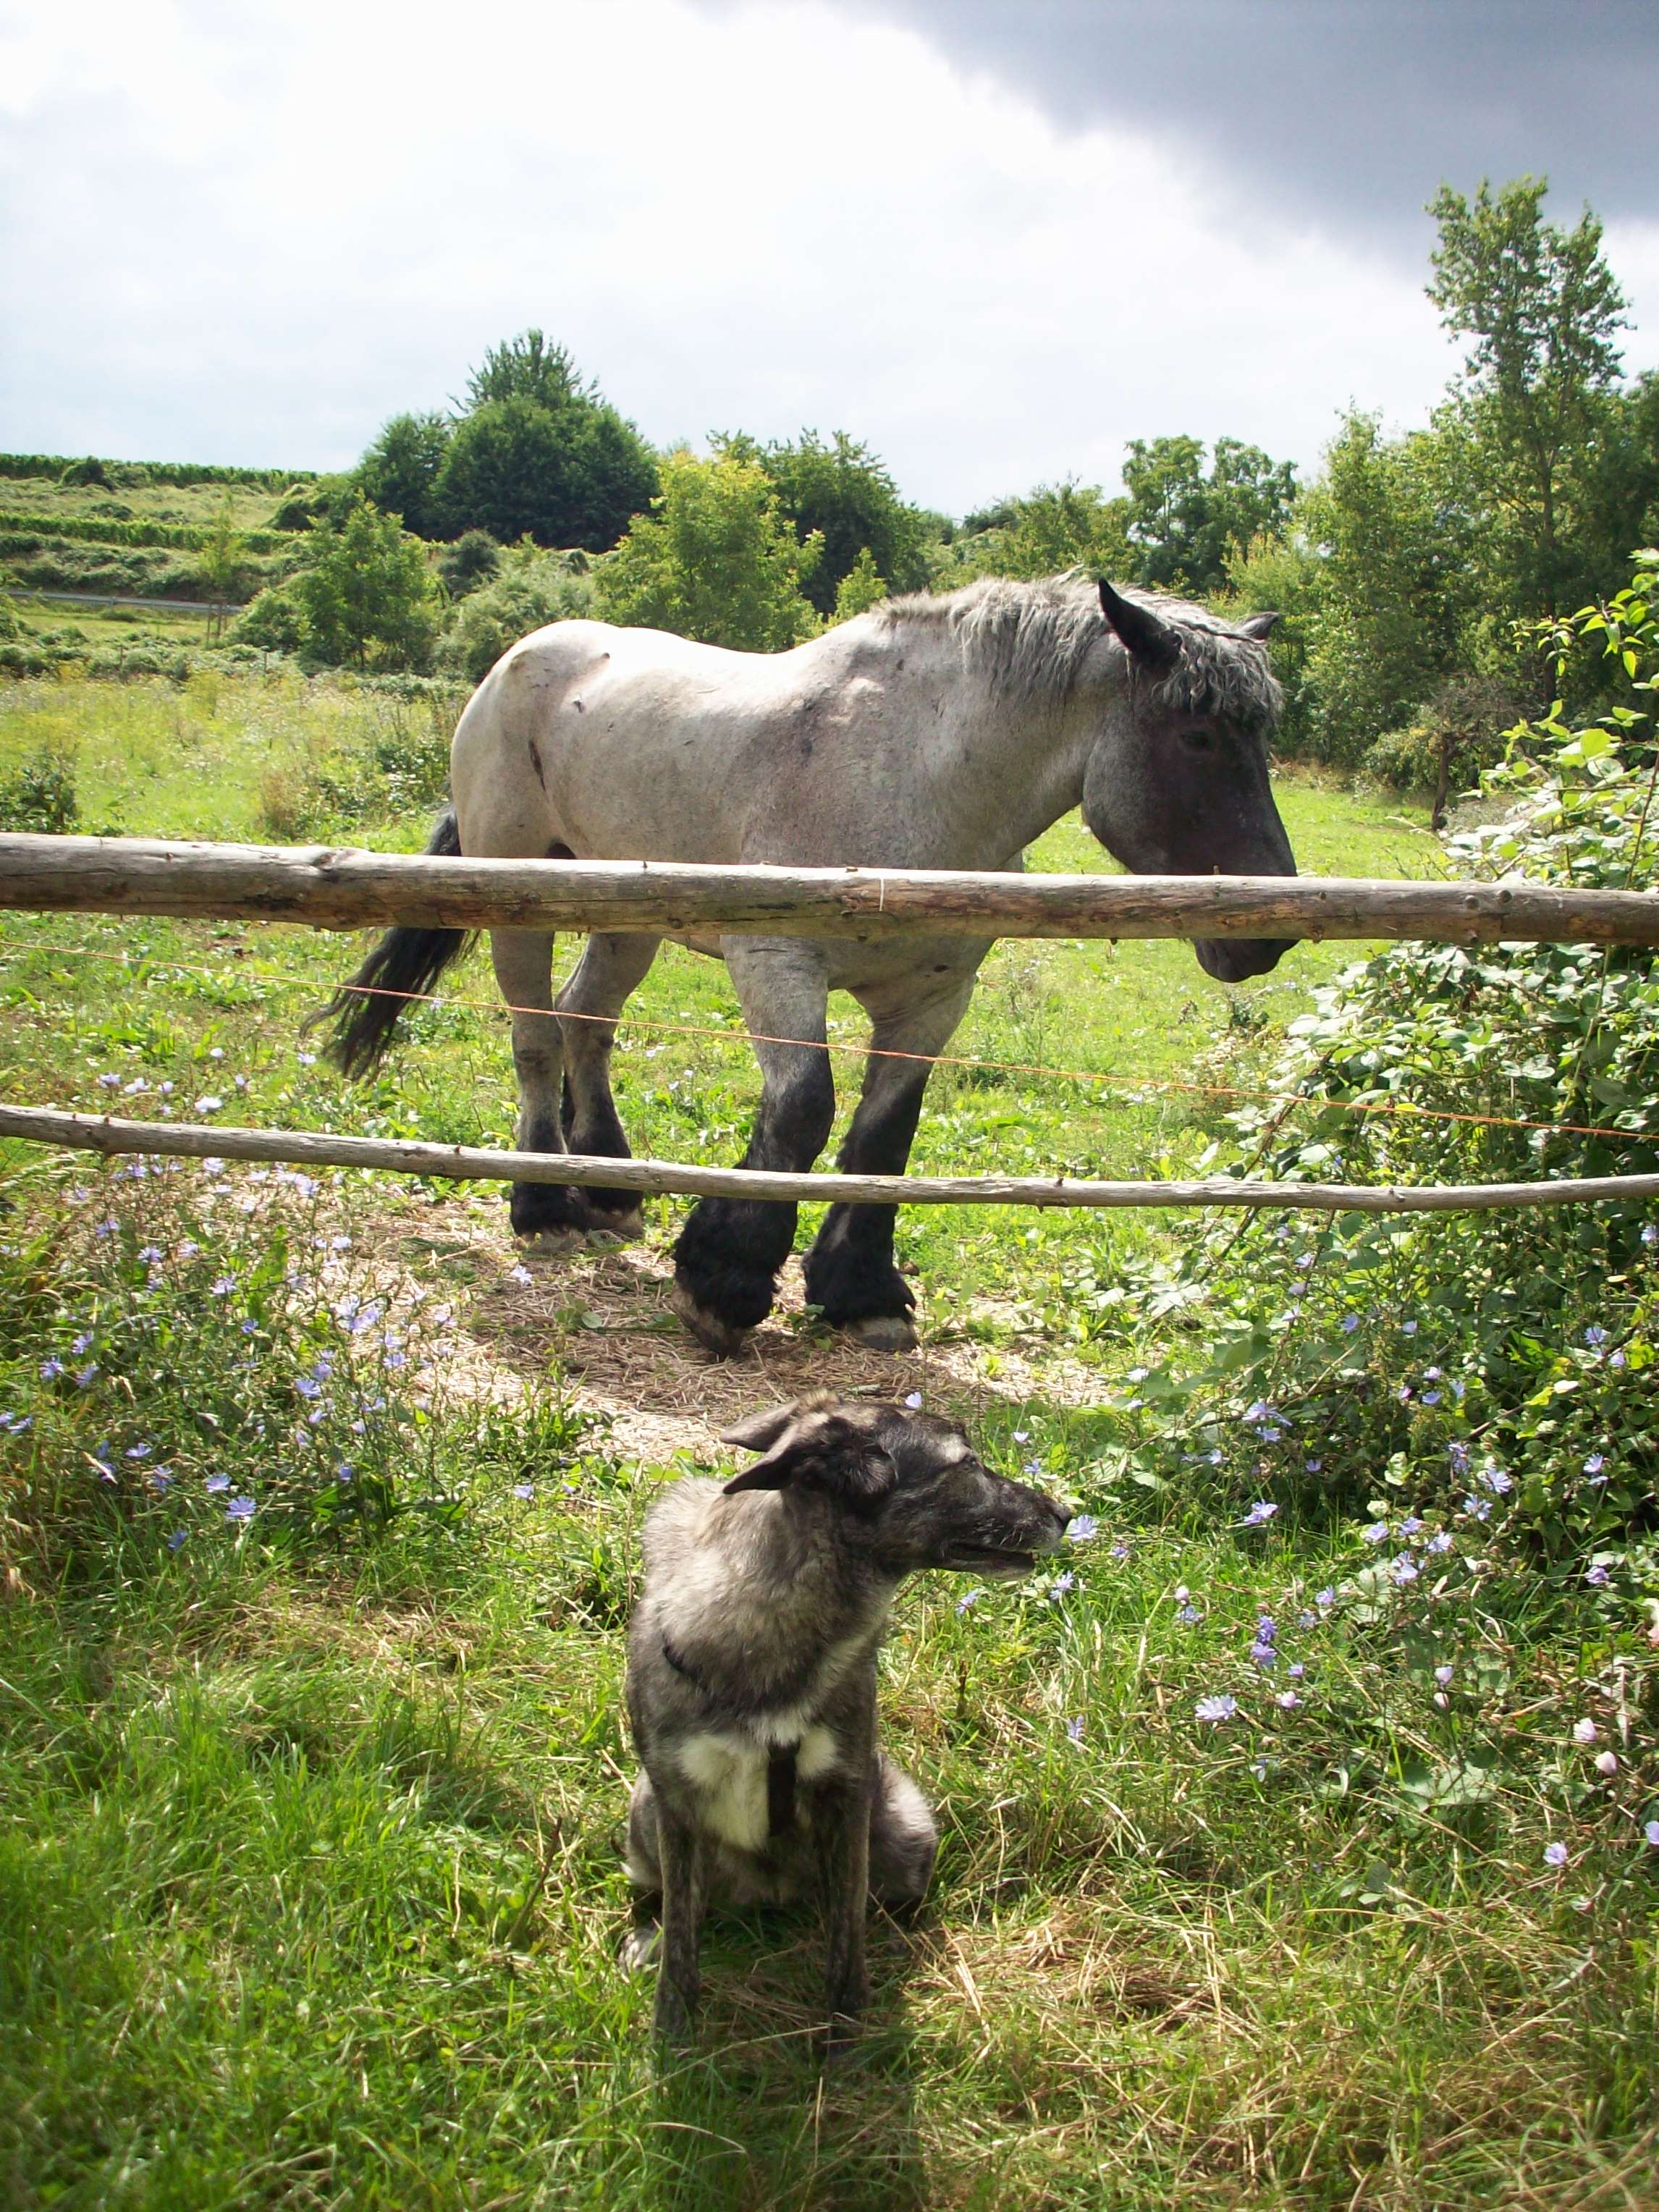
[{"x": 599, "y": 1317}]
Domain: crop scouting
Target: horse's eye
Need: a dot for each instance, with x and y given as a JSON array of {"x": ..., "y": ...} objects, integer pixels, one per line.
[{"x": 1199, "y": 740}]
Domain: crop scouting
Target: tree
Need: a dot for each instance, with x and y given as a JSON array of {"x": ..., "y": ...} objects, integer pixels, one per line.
[
  {"x": 526, "y": 368},
  {"x": 1540, "y": 306},
  {"x": 1184, "y": 524},
  {"x": 399, "y": 471},
  {"x": 364, "y": 594},
  {"x": 1395, "y": 602},
  {"x": 843, "y": 494},
  {"x": 1064, "y": 525},
  {"x": 861, "y": 588},
  {"x": 516, "y": 469},
  {"x": 219, "y": 556},
  {"x": 714, "y": 560}
]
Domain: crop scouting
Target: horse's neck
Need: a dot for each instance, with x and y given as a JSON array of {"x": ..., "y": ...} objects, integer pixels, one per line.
[{"x": 1007, "y": 769}]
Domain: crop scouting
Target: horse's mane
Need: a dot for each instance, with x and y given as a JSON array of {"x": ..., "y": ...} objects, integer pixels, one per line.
[{"x": 1029, "y": 639}]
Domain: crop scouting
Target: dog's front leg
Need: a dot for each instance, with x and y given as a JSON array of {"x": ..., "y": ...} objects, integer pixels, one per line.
[
  {"x": 843, "y": 1824},
  {"x": 685, "y": 1888}
]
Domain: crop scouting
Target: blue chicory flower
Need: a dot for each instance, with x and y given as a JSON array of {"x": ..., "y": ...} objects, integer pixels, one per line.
[
  {"x": 240, "y": 1509},
  {"x": 178, "y": 1537},
  {"x": 1215, "y": 1710},
  {"x": 1082, "y": 1528},
  {"x": 1259, "y": 1514},
  {"x": 1555, "y": 1854}
]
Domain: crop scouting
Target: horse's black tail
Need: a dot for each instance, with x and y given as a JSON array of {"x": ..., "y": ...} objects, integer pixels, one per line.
[{"x": 404, "y": 964}]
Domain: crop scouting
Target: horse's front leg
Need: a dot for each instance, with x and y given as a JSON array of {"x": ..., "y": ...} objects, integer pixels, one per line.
[
  {"x": 524, "y": 971},
  {"x": 608, "y": 971},
  {"x": 727, "y": 1260},
  {"x": 850, "y": 1273}
]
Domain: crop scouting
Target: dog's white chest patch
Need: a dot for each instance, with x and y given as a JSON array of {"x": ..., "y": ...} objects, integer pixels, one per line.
[{"x": 729, "y": 1774}]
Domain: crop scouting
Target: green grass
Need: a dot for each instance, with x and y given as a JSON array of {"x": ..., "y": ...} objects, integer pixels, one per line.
[{"x": 308, "y": 1889}]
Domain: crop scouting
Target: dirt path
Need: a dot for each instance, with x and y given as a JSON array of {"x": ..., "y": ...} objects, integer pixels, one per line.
[{"x": 600, "y": 1318}]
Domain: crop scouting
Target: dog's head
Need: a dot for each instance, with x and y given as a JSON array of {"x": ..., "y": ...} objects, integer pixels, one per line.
[{"x": 911, "y": 1491}]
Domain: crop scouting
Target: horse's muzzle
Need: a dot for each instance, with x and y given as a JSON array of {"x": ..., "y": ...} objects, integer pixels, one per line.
[{"x": 1233, "y": 959}]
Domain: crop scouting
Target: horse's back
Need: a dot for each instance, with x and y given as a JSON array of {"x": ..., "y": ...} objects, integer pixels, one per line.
[{"x": 624, "y": 744}]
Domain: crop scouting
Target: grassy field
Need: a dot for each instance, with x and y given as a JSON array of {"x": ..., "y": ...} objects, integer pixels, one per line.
[{"x": 308, "y": 1888}]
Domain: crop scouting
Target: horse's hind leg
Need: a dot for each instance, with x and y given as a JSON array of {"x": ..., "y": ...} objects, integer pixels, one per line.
[
  {"x": 727, "y": 1260},
  {"x": 612, "y": 968},
  {"x": 850, "y": 1273},
  {"x": 524, "y": 972}
]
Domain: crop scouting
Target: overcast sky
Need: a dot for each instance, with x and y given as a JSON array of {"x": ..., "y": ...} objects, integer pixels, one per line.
[{"x": 993, "y": 238}]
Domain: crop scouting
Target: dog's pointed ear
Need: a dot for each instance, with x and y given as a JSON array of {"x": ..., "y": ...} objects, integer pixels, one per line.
[
  {"x": 1146, "y": 637},
  {"x": 1261, "y": 625},
  {"x": 820, "y": 1450},
  {"x": 760, "y": 1432}
]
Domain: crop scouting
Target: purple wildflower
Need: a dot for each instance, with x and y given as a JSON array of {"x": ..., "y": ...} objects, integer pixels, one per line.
[
  {"x": 1597, "y": 1576},
  {"x": 51, "y": 1370},
  {"x": 1555, "y": 1854},
  {"x": 1595, "y": 1335},
  {"x": 1215, "y": 1710},
  {"x": 1074, "y": 1728},
  {"x": 526, "y": 1491},
  {"x": 1595, "y": 1464},
  {"x": 1259, "y": 1514},
  {"x": 215, "y": 1483},
  {"x": 179, "y": 1537},
  {"x": 1584, "y": 1731},
  {"x": 240, "y": 1509},
  {"x": 912, "y": 1399},
  {"x": 1287, "y": 1701},
  {"x": 1376, "y": 1532},
  {"x": 1062, "y": 1586},
  {"x": 1082, "y": 1528},
  {"x": 969, "y": 1599}
]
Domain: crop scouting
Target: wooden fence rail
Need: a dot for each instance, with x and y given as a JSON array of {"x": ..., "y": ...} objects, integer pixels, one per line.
[
  {"x": 49, "y": 1125},
  {"x": 331, "y": 887}
]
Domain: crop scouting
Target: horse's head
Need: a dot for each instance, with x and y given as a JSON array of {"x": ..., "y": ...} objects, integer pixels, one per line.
[{"x": 1176, "y": 783}]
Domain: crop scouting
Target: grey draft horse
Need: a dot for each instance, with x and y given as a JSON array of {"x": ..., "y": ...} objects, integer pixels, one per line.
[{"x": 931, "y": 732}]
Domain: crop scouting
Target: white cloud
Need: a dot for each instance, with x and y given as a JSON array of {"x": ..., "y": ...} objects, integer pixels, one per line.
[{"x": 251, "y": 234}]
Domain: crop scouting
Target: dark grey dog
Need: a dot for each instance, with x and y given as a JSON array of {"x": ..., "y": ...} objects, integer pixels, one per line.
[{"x": 752, "y": 1676}]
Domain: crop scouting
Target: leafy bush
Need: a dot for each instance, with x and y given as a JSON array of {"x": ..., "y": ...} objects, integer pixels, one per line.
[
  {"x": 273, "y": 621},
  {"x": 38, "y": 795},
  {"x": 1477, "y": 1381},
  {"x": 88, "y": 472},
  {"x": 530, "y": 587},
  {"x": 714, "y": 559},
  {"x": 472, "y": 560}
]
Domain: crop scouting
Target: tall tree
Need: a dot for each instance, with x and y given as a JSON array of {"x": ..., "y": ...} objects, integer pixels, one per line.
[
  {"x": 1540, "y": 308},
  {"x": 399, "y": 473},
  {"x": 570, "y": 477},
  {"x": 527, "y": 366},
  {"x": 1185, "y": 525},
  {"x": 841, "y": 492}
]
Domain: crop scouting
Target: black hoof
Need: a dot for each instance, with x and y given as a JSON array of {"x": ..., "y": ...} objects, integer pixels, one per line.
[
  {"x": 536, "y": 1209},
  {"x": 894, "y": 1333},
  {"x": 715, "y": 1335},
  {"x": 854, "y": 1290}
]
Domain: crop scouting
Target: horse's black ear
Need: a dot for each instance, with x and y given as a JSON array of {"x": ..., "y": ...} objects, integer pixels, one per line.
[
  {"x": 1146, "y": 637},
  {"x": 1261, "y": 625},
  {"x": 820, "y": 1450}
]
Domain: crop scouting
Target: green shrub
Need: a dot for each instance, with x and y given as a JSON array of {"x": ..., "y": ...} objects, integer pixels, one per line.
[
  {"x": 1483, "y": 1374},
  {"x": 39, "y": 794},
  {"x": 530, "y": 588},
  {"x": 472, "y": 560},
  {"x": 88, "y": 472}
]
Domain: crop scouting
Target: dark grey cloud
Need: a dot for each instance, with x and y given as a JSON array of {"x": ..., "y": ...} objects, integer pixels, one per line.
[{"x": 1347, "y": 114}]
